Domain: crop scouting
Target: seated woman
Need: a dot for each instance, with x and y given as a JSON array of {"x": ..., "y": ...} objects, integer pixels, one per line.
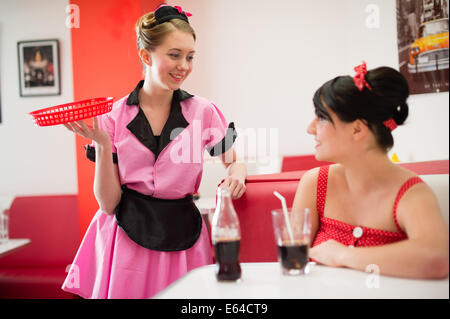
[{"x": 365, "y": 209}]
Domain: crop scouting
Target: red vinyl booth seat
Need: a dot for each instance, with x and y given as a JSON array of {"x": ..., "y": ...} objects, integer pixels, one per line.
[
  {"x": 254, "y": 208},
  {"x": 39, "y": 269},
  {"x": 300, "y": 163},
  {"x": 254, "y": 211}
]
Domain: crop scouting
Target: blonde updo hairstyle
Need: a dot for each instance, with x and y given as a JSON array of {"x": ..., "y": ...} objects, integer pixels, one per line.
[{"x": 149, "y": 37}]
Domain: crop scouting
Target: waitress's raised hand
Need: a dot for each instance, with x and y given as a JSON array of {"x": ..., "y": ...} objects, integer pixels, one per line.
[
  {"x": 236, "y": 183},
  {"x": 101, "y": 137}
]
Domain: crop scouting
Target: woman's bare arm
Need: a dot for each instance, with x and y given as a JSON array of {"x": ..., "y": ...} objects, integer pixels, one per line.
[
  {"x": 107, "y": 188},
  {"x": 237, "y": 173},
  {"x": 305, "y": 197}
]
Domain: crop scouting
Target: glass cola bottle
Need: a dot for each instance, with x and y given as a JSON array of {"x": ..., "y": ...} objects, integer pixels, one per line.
[{"x": 226, "y": 237}]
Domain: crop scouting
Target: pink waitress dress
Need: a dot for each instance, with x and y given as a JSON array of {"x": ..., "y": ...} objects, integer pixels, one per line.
[{"x": 109, "y": 264}]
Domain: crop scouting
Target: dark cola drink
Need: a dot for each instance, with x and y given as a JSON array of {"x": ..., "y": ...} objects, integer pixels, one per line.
[
  {"x": 293, "y": 257},
  {"x": 227, "y": 260},
  {"x": 226, "y": 237}
]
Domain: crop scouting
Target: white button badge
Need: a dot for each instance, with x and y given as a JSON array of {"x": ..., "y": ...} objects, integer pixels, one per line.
[{"x": 357, "y": 232}]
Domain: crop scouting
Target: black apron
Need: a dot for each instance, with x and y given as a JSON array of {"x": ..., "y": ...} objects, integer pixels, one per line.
[{"x": 159, "y": 224}]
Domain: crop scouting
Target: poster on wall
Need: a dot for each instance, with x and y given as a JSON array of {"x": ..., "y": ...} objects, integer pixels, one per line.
[
  {"x": 39, "y": 67},
  {"x": 422, "y": 31}
]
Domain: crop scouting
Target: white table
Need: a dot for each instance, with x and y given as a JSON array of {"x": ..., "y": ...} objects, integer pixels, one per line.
[
  {"x": 265, "y": 281},
  {"x": 12, "y": 245}
]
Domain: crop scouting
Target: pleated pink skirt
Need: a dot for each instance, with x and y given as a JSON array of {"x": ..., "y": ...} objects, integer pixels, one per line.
[{"x": 109, "y": 264}]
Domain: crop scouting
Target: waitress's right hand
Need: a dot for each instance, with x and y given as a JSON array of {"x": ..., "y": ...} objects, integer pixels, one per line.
[{"x": 99, "y": 136}]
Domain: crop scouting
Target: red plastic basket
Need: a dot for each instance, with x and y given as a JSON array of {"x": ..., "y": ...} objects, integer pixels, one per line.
[{"x": 71, "y": 112}]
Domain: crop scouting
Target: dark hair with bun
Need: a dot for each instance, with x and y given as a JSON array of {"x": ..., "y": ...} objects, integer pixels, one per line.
[{"x": 386, "y": 100}]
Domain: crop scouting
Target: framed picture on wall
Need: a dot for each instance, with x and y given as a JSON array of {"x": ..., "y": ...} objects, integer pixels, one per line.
[
  {"x": 39, "y": 67},
  {"x": 422, "y": 31}
]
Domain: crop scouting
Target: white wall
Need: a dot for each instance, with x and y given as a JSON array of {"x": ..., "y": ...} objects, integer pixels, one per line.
[
  {"x": 262, "y": 60},
  {"x": 34, "y": 160},
  {"x": 259, "y": 60}
]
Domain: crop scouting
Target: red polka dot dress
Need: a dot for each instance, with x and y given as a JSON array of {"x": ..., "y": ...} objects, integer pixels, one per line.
[{"x": 354, "y": 235}]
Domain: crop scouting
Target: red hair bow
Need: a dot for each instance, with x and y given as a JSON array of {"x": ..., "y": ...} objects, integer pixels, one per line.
[
  {"x": 390, "y": 124},
  {"x": 359, "y": 78},
  {"x": 180, "y": 10}
]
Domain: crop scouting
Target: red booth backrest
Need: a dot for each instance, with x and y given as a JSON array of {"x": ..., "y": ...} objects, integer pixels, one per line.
[
  {"x": 300, "y": 163},
  {"x": 254, "y": 211},
  {"x": 51, "y": 223},
  {"x": 254, "y": 208}
]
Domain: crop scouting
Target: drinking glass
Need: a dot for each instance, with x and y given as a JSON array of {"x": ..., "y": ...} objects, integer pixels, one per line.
[{"x": 292, "y": 235}]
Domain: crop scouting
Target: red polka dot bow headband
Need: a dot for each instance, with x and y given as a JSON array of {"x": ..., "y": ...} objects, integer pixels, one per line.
[
  {"x": 360, "y": 82},
  {"x": 360, "y": 77}
]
